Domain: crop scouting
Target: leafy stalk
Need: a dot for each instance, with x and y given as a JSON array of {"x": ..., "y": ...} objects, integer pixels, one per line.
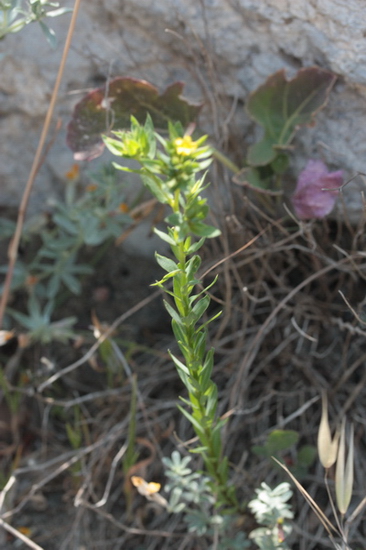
[{"x": 170, "y": 172}]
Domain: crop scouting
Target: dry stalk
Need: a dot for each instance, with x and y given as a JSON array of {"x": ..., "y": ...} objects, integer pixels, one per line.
[{"x": 14, "y": 245}]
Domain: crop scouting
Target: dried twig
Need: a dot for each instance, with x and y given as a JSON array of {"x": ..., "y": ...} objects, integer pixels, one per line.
[{"x": 14, "y": 245}]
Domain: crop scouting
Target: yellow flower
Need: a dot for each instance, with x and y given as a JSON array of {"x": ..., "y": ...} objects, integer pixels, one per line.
[
  {"x": 149, "y": 490},
  {"x": 144, "y": 488},
  {"x": 185, "y": 146}
]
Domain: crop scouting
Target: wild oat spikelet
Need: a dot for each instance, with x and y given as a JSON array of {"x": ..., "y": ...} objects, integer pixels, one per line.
[
  {"x": 344, "y": 472},
  {"x": 327, "y": 447}
]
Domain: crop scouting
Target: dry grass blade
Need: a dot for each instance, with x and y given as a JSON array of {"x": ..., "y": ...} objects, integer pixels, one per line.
[
  {"x": 356, "y": 512},
  {"x": 18, "y": 535},
  {"x": 251, "y": 354},
  {"x": 328, "y": 526}
]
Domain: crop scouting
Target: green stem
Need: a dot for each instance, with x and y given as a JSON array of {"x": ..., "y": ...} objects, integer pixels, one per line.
[{"x": 212, "y": 456}]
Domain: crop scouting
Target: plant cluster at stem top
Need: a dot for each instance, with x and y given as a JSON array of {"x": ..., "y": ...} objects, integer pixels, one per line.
[
  {"x": 280, "y": 105},
  {"x": 170, "y": 170}
]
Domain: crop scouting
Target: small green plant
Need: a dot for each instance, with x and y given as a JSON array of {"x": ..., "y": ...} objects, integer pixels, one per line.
[
  {"x": 281, "y": 107},
  {"x": 38, "y": 323},
  {"x": 87, "y": 217},
  {"x": 171, "y": 175},
  {"x": 271, "y": 509},
  {"x": 91, "y": 217},
  {"x": 191, "y": 494},
  {"x": 281, "y": 444},
  {"x": 16, "y": 14}
]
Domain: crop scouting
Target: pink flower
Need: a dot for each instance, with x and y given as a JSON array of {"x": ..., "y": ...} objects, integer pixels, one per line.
[{"x": 316, "y": 191}]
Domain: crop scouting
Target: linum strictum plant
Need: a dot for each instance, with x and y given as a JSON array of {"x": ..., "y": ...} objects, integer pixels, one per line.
[{"x": 171, "y": 169}]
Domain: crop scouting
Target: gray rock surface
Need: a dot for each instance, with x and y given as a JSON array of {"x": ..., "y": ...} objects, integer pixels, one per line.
[{"x": 222, "y": 49}]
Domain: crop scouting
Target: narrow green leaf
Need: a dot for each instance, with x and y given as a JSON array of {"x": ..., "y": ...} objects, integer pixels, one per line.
[
  {"x": 164, "y": 237},
  {"x": 195, "y": 387},
  {"x": 217, "y": 445},
  {"x": 175, "y": 219},
  {"x": 15, "y": 27},
  {"x": 224, "y": 468},
  {"x": 203, "y": 291},
  {"x": 180, "y": 366},
  {"x": 172, "y": 312},
  {"x": 194, "y": 247},
  {"x": 49, "y": 34},
  {"x": 154, "y": 188},
  {"x": 192, "y": 266},
  {"x": 66, "y": 224},
  {"x": 74, "y": 436},
  {"x": 53, "y": 285},
  {"x": 179, "y": 331},
  {"x": 196, "y": 425},
  {"x": 202, "y": 451},
  {"x": 200, "y": 307},
  {"x": 57, "y": 12},
  {"x": 206, "y": 372},
  {"x": 71, "y": 282},
  {"x": 185, "y": 350},
  {"x": 210, "y": 320},
  {"x": 203, "y": 230},
  {"x": 212, "y": 400},
  {"x": 200, "y": 341},
  {"x": 166, "y": 277},
  {"x": 186, "y": 402},
  {"x": 166, "y": 263}
]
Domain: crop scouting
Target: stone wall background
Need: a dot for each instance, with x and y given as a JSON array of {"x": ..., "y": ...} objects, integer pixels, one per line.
[{"x": 222, "y": 49}]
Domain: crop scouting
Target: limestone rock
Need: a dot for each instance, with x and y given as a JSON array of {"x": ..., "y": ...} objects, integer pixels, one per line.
[{"x": 222, "y": 49}]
